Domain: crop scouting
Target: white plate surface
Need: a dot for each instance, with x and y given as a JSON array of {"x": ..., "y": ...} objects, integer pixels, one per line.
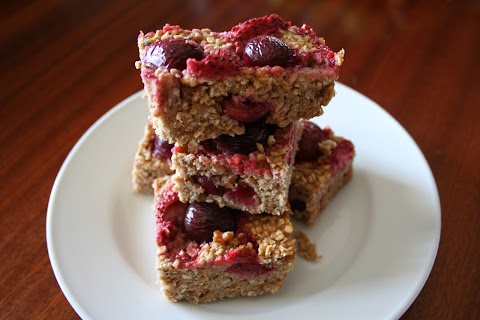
[{"x": 378, "y": 237}]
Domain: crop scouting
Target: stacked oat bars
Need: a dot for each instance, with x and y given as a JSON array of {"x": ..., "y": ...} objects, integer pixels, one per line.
[{"x": 220, "y": 146}]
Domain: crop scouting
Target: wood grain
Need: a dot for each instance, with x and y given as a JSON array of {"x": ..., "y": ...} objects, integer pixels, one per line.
[{"x": 65, "y": 63}]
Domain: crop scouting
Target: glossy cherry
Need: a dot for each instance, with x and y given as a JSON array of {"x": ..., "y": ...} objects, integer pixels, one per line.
[
  {"x": 268, "y": 50},
  {"x": 256, "y": 132},
  {"x": 171, "y": 54},
  {"x": 161, "y": 148},
  {"x": 202, "y": 219}
]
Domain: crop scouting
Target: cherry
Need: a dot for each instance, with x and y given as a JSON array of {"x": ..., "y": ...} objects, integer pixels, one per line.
[
  {"x": 202, "y": 219},
  {"x": 209, "y": 186},
  {"x": 171, "y": 54},
  {"x": 267, "y": 50},
  {"x": 209, "y": 145},
  {"x": 308, "y": 146},
  {"x": 256, "y": 132},
  {"x": 244, "y": 111},
  {"x": 298, "y": 205},
  {"x": 161, "y": 148}
]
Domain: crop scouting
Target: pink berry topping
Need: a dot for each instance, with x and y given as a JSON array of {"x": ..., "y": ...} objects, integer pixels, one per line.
[
  {"x": 321, "y": 56},
  {"x": 202, "y": 219},
  {"x": 270, "y": 51},
  {"x": 308, "y": 147},
  {"x": 244, "y": 111},
  {"x": 269, "y": 24},
  {"x": 308, "y": 31},
  {"x": 342, "y": 154},
  {"x": 217, "y": 65},
  {"x": 172, "y": 54},
  {"x": 166, "y": 207}
]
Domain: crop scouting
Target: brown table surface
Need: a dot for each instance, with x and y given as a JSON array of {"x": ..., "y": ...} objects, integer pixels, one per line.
[{"x": 65, "y": 63}]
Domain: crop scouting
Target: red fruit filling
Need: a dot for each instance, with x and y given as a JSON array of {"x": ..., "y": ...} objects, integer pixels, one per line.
[
  {"x": 306, "y": 30},
  {"x": 257, "y": 43},
  {"x": 209, "y": 186},
  {"x": 161, "y": 148},
  {"x": 166, "y": 224},
  {"x": 246, "y": 263},
  {"x": 220, "y": 64},
  {"x": 245, "y": 111},
  {"x": 308, "y": 149},
  {"x": 244, "y": 195},
  {"x": 321, "y": 57},
  {"x": 251, "y": 269},
  {"x": 251, "y": 163},
  {"x": 185, "y": 239},
  {"x": 269, "y": 24},
  {"x": 256, "y": 132},
  {"x": 341, "y": 155},
  {"x": 176, "y": 212}
]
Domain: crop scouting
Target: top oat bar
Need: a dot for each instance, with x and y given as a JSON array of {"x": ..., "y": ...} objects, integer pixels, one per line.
[{"x": 201, "y": 84}]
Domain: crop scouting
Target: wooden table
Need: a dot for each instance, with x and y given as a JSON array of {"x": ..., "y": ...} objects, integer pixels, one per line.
[{"x": 65, "y": 63}]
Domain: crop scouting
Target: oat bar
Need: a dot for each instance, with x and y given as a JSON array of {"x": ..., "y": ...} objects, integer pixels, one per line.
[
  {"x": 201, "y": 84},
  {"x": 316, "y": 182},
  {"x": 256, "y": 182},
  {"x": 149, "y": 163},
  {"x": 251, "y": 256}
]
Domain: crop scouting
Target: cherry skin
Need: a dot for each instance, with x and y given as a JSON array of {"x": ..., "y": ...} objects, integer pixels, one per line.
[
  {"x": 298, "y": 205},
  {"x": 161, "y": 148},
  {"x": 256, "y": 132},
  {"x": 308, "y": 146},
  {"x": 209, "y": 186},
  {"x": 202, "y": 219},
  {"x": 245, "y": 111},
  {"x": 171, "y": 54},
  {"x": 270, "y": 51}
]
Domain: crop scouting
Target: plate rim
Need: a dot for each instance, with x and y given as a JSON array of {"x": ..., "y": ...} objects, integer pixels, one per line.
[
  {"x": 52, "y": 254},
  {"x": 54, "y": 259}
]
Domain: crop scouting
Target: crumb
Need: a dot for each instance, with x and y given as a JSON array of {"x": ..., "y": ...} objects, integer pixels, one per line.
[{"x": 305, "y": 248}]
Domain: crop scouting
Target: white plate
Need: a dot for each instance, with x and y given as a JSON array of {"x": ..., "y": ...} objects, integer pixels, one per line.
[{"x": 379, "y": 236}]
